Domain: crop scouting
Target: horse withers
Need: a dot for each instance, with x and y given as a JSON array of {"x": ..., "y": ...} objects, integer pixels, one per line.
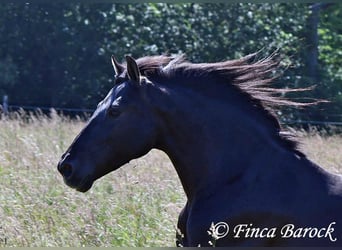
[{"x": 244, "y": 179}]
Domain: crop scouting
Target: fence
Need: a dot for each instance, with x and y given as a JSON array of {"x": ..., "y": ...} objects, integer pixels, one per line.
[
  {"x": 6, "y": 108},
  {"x": 11, "y": 108}
]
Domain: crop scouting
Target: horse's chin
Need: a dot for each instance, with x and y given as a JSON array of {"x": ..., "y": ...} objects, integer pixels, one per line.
[
  {"x": 86, "y": 184},
  {"x": 82, "y": 186}
]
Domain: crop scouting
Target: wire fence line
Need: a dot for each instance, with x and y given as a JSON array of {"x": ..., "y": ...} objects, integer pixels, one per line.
[
  {"x": 34, "y": 108},
  {"x": 312, "y": 123},
  {"x": 6, "y": 109}
]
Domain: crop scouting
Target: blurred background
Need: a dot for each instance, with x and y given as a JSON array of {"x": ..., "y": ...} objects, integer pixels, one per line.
[{"x": 57, "y": 55}]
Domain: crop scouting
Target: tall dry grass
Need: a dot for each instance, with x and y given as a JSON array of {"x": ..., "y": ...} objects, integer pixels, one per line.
[
  {"x": 137, "y": 205},
  {"x": 322, "y": 148}
]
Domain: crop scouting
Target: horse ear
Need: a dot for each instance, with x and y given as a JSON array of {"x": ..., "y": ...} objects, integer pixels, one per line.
[
  {"x": 118, "y": 68},
  {"x": 133, "y": 69}
]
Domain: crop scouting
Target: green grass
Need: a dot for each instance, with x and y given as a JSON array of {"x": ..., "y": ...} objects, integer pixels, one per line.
[{"x": 137, "y": 205}]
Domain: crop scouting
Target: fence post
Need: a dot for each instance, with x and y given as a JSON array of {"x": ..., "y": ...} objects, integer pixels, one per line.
[{"x": 5, "y": 104}]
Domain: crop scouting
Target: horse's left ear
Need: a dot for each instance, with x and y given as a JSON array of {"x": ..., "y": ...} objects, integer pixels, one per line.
[
  {"x": 133, "y": 69},
  {"x": 118, "y": 68}
]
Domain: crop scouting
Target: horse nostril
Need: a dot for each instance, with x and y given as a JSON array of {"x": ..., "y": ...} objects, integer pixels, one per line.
[{"x": 65, "y": 169}]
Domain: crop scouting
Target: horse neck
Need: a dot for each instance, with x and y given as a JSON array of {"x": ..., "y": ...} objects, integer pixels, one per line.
[{"x": 208, "y": 140}]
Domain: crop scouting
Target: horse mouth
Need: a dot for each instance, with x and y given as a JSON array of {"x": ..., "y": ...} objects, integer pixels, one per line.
[{"x": 82, "y": 186}]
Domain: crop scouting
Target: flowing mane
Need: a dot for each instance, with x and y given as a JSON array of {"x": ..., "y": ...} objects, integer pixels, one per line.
[{"x": 248, "y": 76}]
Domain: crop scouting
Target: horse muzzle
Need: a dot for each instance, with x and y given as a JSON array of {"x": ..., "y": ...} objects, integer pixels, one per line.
[{"x": 72, "y": 179}]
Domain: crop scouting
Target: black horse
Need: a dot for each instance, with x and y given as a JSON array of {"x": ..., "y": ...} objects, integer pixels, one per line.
[{"x": 244, "y": 178}]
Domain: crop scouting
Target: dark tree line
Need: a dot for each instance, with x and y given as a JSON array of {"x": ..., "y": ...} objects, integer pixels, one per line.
[{"x": 58, "y": 54}]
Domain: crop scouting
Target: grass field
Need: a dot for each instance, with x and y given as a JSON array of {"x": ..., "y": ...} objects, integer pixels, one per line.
[{"x": 137, "y": 205}]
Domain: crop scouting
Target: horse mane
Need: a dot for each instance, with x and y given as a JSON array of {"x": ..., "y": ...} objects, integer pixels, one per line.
[{"x": 248, "y": 76}]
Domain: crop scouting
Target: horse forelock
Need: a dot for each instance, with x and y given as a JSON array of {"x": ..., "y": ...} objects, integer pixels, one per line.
[{"x": 248, "y": 76}]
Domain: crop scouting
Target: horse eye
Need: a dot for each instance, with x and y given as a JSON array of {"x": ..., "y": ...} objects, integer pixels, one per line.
[{"x": 114, "y": 111}]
